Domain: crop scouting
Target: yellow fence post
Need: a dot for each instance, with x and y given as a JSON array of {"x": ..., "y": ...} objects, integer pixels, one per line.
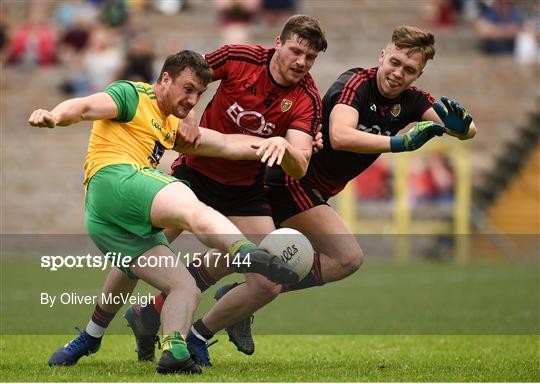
[
  {"x": 402, "y": 211},
  {"x": 402, "y": 224},
  {"x": 462, "y": 202}
]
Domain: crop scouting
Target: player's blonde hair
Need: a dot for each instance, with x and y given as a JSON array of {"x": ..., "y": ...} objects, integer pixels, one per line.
[
  {"x": 416, "y": 40},
  {"x": 306, "y": 27}
]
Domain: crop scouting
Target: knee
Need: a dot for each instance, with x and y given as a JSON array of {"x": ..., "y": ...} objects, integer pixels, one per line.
[
  {"x": 352, "y": 262},
  {"x": 186, "y": 286},
  {"x": 201, "y": 219},
  {"x": 194, "y": 292},
  {"x": 263, "y": 289}
]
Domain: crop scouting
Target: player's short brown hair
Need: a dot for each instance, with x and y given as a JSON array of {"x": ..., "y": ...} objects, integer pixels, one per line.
[
  {"x": 306, "y": 27},
  {"x": 416, "y": 39},
  {"x": 176, "y": 63}
]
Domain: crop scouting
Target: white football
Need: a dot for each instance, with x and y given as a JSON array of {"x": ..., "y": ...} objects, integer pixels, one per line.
[{"x": 292, "y": 247}]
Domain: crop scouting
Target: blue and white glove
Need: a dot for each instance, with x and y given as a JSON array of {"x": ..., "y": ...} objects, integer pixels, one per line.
[
  {"x": 420, "y": 134},
  {"x": 455, "y": 117}
]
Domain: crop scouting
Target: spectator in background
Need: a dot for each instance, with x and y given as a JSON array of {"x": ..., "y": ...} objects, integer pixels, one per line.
[
  {"x": 374, "y": 183},
  {"x": 432, "y": 179},
  {"x": 498, "y": 23},
  {"x": 276, "y": 11},
  {"x": 447, "y": 13},
  {"x": 4, "y": 35},
  {"x": 34, "y": 42},
  {"x": 528, "y": 41},
  {"x": 103, "y": 60},
  {"x": 71, "y": 50},
  {"x": 114, "y": 13},
  {"x": 236, "y": 19},
  {"x": 168, "y": 7},
  {"x": 140, "y": 58},
  {"x": 70, "y": 12},
  {"x": 75, "y": 38}
]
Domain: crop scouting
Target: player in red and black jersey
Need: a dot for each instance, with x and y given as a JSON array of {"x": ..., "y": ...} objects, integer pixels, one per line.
[
  {"x": 363, "y": 112},
  {"x": 354, "y": 98},
  {"x": 259, "y": 96},
  {"x": 357, "y": 88}
]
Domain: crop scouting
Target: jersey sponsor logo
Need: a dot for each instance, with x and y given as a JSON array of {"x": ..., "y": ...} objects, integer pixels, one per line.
[
  {"x": 395, "y": 110},
  {"x": 250, "y": 121},
  {"x": 156, "y": 125},
  {"x": 285, "y": 105},
  {"x": 167, "y": 136}
]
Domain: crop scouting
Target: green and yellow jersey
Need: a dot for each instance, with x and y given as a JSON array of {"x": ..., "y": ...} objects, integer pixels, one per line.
[{"x": 138, "y": 135}]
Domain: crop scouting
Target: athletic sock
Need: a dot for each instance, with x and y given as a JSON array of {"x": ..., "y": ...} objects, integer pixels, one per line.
[
  {"x": 158, "y": 302},
  {"x": 101, "y": 319},
  {"x": 312, "y": 279},
  {"x": 176, "y": 344},
  {"x": 241, "y": 246},
  {"x": 201, "y": 331}
]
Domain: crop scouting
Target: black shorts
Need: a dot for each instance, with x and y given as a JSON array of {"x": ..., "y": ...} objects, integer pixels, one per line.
[
  {"x": 229, "y": 200},
  {"x": 287, "y": 196}
]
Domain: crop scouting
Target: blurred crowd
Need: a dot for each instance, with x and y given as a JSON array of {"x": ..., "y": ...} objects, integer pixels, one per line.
[
  {"x": 503, "y": 27},
  {"x": 98, "y": 41},
  {"x": 431, "y": 179}
]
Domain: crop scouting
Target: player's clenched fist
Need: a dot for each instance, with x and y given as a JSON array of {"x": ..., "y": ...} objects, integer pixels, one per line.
[
  {"x": 42, "y": 118},
  {"x": 317, "y": 142},
  {"x": 271, "y": 150},
  {"x": 188, "y": 133}
]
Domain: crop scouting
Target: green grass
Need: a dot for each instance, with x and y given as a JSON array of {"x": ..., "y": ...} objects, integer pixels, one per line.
[
  {"x": 421, "y": 321},
  {"x": 297, "y": 358},
  {"x": 382, "y": 298}
]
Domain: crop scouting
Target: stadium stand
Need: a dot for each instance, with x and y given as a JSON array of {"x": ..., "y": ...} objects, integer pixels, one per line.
[{"x": 42, "y": 174}]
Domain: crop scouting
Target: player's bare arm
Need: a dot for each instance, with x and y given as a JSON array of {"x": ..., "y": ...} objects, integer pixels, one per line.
[
  {"x": 457, "y": 121},
  {"x": 236, "y": 147},
  {"x": 94, "y": 107},
  {"x": 226, "y": 146},
  {"x": 344, "y": 135},
  {"x": 298, "y": 153}
]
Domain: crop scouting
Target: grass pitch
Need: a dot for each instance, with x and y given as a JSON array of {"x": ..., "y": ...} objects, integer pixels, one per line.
[
  {"x": 297, "y": 358},
  {"x": 388, "y": 322}
]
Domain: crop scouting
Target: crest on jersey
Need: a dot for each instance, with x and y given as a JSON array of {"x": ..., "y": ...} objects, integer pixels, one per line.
[
  {"x": 395, "y": 110},
  {"x": 285, "y": 105},
  {"x": 317, "y": 193}
]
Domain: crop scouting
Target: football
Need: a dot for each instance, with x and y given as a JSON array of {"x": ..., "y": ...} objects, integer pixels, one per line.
[{"x": 293, "y": 247}]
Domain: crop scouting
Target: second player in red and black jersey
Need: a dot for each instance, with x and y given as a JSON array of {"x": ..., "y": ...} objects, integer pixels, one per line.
[
  {"x": 363, "y": 112},
  {"x": 330, "y": 170},
  {"x": 249, "y": 100}
]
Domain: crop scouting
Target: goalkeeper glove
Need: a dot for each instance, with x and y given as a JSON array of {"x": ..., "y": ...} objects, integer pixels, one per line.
[
  {"x": 420, "y": 134},
  {"x": 455, "y": 117}
]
